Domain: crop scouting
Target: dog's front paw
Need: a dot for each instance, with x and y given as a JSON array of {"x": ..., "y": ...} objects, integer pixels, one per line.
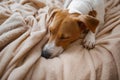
[{"x": 89, "y": 41}]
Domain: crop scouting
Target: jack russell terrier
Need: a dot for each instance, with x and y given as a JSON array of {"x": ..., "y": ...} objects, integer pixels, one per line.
[{"x": 68, "y": 25}]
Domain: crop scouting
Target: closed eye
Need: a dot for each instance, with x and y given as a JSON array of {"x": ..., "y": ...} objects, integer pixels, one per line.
[{"x": 63, "y": 37}]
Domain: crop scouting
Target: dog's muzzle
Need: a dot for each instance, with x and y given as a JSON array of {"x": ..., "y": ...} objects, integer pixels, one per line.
[{"x": 50, "y": 50}]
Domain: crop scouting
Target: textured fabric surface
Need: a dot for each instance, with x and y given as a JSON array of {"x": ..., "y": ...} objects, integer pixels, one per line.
[{"x": 23, "y": 33}]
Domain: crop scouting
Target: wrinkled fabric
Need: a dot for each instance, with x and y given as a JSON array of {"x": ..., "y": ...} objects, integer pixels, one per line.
[{"x": 23, "y": 32}]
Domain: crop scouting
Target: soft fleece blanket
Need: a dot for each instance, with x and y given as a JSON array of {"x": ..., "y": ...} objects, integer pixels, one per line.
[{"x": 23, "y": 33}]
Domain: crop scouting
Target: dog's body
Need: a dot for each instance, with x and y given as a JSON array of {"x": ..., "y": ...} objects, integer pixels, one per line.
[{"x": 67, "y": 25}]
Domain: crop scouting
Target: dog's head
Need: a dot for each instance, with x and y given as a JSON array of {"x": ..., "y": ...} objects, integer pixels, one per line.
[{"x": 65, "y": 28}]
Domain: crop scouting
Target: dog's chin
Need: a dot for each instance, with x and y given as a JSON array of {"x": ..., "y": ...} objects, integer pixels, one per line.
[{"x": 57, "y": 54}]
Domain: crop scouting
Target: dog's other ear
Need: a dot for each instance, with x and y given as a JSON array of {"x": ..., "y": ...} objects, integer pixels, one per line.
[
  {"x": 52, "y": 12},
  {"x": 90, "y": 22}
]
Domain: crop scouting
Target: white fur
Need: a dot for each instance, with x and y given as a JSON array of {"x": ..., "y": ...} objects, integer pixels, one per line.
[
  {"x": 53, "y": 49},
  {"x": 89, "y": 40}
]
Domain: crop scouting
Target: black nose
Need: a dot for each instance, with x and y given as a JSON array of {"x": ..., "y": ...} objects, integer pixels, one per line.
[{"x": 45, "y": 54}]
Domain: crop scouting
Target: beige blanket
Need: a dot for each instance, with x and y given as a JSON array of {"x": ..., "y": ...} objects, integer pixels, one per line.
[{"x": 23, "y": 33}]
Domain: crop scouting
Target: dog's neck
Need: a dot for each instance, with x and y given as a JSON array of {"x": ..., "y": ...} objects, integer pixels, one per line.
[{"x": 80, "y": 6}]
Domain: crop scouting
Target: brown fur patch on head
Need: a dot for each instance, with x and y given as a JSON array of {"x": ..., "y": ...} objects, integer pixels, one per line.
[{"x": 64, "y": 29}]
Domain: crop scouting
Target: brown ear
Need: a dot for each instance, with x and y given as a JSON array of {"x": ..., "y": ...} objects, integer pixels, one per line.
[
  {"x": 51, "y": 13},
  {"x": 90, "y": 22}
]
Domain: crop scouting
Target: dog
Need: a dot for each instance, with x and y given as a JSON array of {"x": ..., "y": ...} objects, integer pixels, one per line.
[{"x": 69, "y": 24}]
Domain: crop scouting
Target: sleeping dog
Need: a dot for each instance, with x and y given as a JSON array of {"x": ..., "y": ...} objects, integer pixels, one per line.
[{"x": 68, "y": 25}]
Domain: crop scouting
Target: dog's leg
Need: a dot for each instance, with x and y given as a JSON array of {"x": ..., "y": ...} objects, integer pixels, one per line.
[{"x": 89, "y": 40}]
